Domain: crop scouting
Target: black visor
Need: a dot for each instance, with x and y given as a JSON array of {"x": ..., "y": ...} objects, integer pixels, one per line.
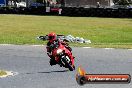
[{"x": 51, "y": 37}]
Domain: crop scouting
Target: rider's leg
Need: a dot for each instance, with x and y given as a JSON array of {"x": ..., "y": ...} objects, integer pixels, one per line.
[{"x": 52, "y": 61}]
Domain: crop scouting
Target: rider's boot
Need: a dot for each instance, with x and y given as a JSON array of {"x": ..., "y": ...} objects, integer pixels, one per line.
[{"x": 52, "y": 61}]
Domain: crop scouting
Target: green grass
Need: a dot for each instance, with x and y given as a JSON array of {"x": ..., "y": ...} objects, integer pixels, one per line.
[
  {"x": 103, "y": 32},
  {"x": 2, "y": 73}
]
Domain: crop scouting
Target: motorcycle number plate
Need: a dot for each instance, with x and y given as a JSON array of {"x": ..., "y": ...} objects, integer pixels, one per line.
[{"x": 67, "y": 58}]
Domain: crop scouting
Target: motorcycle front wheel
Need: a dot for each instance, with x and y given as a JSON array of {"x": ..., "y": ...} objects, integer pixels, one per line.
[{"x": 71, "y": 68}]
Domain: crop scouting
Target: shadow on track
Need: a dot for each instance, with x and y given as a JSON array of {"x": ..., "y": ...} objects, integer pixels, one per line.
[
  {"x": 44, "y": 72},
  {"x": 55, "y": 71}
]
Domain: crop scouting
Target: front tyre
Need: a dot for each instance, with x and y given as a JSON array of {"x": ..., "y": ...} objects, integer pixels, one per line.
[{"x": 71, "y": 68}]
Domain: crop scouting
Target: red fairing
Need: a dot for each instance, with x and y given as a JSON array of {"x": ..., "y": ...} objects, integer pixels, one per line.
[
  {"x": 67, "y": 52},
  {"x": 70, "y": 55}
]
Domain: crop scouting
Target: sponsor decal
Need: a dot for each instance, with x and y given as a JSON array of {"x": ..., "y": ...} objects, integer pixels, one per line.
[{"x": 83, "y": 78}]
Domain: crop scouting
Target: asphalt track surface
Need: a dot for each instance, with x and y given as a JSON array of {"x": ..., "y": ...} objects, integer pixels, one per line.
[{"x": 34, "y": 71}]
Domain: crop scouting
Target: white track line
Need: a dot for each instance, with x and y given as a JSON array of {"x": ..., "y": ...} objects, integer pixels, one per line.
[
  {"x": 18, "y": 45},
  {"x": 108, "y": 48},
  {"x": 6, "y": 44},
  {"x": 37, "y": 45},
  {"x": 129, "y": 49},
  {"x": 87, "y": 47},
  {"x": 44, "y": 45}
]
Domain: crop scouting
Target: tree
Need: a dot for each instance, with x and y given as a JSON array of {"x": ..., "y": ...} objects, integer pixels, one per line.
[{"x": 122, "y": 2}]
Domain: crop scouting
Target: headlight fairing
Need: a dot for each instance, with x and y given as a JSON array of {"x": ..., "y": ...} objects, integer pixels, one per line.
[{"x": 59, "y": 51}]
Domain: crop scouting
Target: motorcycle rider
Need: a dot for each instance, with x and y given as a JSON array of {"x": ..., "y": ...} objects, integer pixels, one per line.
[{"x": 52, "y": 37}]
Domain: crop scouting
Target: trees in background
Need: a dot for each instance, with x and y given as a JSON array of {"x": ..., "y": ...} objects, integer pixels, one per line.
[{"x": 122, "y": 2}]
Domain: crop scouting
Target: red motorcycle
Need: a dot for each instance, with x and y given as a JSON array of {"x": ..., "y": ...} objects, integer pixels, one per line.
[{"x": 62, "y": 55}]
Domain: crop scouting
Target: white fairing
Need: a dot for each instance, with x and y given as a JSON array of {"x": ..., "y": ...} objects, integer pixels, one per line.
[{"x": 59, "y": 51}]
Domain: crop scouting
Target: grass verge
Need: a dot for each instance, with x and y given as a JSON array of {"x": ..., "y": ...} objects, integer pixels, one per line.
[
  {"x": 103, "y": 32},
  {"x": 2, "y": 73}
]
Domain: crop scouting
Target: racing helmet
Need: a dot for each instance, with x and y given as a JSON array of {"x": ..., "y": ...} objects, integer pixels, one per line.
[{"x": 51, "y": 36}]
